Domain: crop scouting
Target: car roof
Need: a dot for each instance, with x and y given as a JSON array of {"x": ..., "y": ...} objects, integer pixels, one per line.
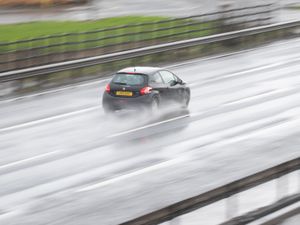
[{"x": 140, "y": 70}]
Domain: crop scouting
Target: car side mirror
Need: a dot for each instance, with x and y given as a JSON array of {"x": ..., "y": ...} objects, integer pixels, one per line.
[
  {"x": 180, "y": 82},
  {"x": 173, "y": 83}
]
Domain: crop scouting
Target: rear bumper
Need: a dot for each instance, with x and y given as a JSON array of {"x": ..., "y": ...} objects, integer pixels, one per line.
[{"x": 111, "y": 103}]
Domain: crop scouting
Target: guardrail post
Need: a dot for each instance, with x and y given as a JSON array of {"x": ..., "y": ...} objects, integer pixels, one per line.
[
  {"x": 153, "y": 32},
  {"x": 228, "y": 192},
  {"x": 136, "y": 37},
  {"x": 31, "y": 53},
  {"x": 63, "y": 47},
  {"x": 224, "y": 6},
  {"x": 16, "y": 52},
  {"x": 282, "y": 187},
  {"x": 4, "y": 58},
  {"x": 231, "y": 206},
  {"x": 271, "y": 10},
  {"x": 47, "y": 49}
]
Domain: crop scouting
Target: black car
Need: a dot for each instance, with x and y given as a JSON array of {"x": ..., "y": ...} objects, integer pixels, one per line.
[{"x": 144, "y": 88}]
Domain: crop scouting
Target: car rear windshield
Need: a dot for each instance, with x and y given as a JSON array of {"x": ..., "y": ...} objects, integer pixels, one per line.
[{"x": 129, "y": 79}]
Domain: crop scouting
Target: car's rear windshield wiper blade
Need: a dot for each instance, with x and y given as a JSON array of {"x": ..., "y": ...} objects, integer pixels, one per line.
[{"x": 121, "y": 83}]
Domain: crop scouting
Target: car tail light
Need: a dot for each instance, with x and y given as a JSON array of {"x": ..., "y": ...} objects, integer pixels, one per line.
[
  {"x": 145, "y": 90},
  {"x": 107, "y": 88}
]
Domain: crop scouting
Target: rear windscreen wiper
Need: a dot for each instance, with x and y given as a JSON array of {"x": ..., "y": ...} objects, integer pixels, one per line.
[{"x": 120, "y": 83}]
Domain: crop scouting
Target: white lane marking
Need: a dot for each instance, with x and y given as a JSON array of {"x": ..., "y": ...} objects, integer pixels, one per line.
[
  {"x": 250, "y": 98},
  {"x": 233, "y": 133},
  {"x": 193, "y": 61},
  {"x": 9, "y": 214},
  {"x": 90, "y": 83},
  {"x": 258, "y": 96},
  {"x": 171, "y": 66},
  {"x": 277, "y": 214},
  {"x": 281, "y": 126},
  {"x": 132, "y": 174},
  {"x": 191, "y": 85},
  {"x": 233, "y": 53},
  {"x": 147, "y": 126},
  {"x": 217, "y": 140},
  {"x": 48, "y": 119},
  {"x": 268, "y": 66},
  {"x": 188, "y": 155},
  {"x": 256, "y": 69},
  {"x": 31, "y": 159},
  {"x": 31, "y": 123}
]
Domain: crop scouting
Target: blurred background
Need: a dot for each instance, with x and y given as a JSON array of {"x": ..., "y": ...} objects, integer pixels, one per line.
[{"x": 232, "y": 158}]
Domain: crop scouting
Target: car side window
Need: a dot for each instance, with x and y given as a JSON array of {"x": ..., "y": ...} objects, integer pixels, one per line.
[
  {"x": 156, "y": 79},
  {"x": 167, "y": 76}
]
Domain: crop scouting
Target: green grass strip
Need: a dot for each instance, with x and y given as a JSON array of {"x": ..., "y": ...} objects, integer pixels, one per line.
[
  {"x": 21, "y": 31},
  {"x": 158, "y": 31}
]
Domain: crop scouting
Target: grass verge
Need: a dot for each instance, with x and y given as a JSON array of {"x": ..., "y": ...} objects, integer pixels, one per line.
[
  {"x": 21, "y": 31},
  {"x": 150, "y": 28}
]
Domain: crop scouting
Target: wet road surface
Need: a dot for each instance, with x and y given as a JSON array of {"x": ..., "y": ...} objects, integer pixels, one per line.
[{"x": 63, "y": 162}]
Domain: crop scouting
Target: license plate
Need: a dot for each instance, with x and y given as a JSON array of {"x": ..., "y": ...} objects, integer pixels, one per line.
[{"x": 124, "y": 93}]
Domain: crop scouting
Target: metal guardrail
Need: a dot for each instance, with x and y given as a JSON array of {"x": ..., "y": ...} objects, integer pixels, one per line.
[
  {"x": 264, "y": 211},
  {"x": 91, "y": 61},
  {"x": 62, "y": 47},
  {"x": 178, "y": 209}
]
